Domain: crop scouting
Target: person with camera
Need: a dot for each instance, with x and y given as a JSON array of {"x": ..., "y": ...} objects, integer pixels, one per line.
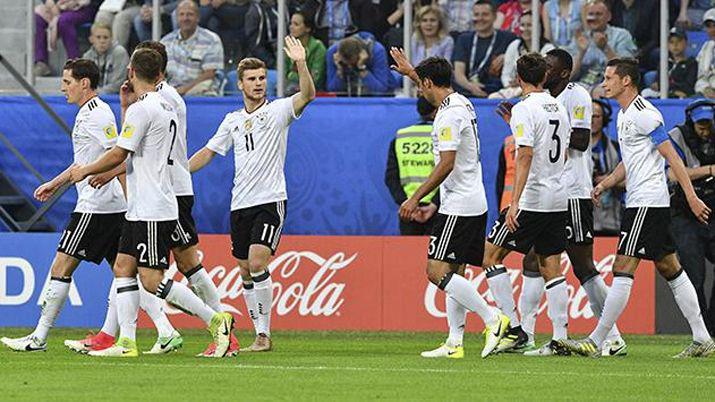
[
  {"x": 695, "y": 142},
  {"x": 357, "y": 66}
]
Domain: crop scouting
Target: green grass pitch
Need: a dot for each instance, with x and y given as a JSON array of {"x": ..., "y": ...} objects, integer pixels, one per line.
[{"x": 341, "y": 366}]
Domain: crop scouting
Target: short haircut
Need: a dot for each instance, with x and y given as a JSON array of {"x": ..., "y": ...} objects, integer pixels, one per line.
[
  {"x": 626, "y": 67},
  {"x": 249, "y": 63},
  {"x": 532, "y": 68},
  {"x": 83, "y": 68},
  {"x": 307, "y": 20},
  {"x": 604, "y": 2},
  {"x": 424, "y": 108},
  {"x": 436, "y": 69},
  {"x": 146, "y": 64},
  {"x": 563, "y": 57},
  {"x": 101, "y": 25},
  {"x": 159, "y": 48},
  {"x": 492, "y": 8},
  {"x": 350, "y": 48},
  {"x": 192, "y": 3}
]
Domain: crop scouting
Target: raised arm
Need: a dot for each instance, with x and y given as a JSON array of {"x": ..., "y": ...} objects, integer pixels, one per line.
[
  {"x": 296, "y": 52},
  {"x": 402, "y": 65}
]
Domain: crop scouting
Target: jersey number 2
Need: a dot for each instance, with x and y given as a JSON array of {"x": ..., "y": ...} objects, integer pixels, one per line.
[
  {"x": 172, "y": 130},
  {"x": 554, "y": 154}
]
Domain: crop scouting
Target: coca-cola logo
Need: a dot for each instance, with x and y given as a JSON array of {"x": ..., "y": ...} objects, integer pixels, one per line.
[
  {"x": 578, "y": 301},
  {"x": 320, "y": 295}
]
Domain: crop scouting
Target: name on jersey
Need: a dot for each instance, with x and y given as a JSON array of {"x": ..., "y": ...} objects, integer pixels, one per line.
[{"x": 550, "y": 107}]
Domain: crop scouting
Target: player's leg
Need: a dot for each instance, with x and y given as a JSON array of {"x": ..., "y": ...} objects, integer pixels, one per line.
[
  {"x": 500, "y": 281},
  {"x": 532, "y": 288},
  {"x": 456, "y": 320}
]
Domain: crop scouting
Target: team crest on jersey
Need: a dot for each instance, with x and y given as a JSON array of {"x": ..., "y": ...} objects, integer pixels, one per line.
[
  {"x": 110, "y": 131},
  {"x": 579, "y": 112},
  {"x": 445, "y": 134},
  {"x": 248, "y": 124},
  {"x": 128, "y": 131}
]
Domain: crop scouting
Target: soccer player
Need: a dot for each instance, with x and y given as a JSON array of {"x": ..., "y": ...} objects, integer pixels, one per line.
[
  {"x": 536, "y": 217},
  {"x": 148, "y": 134},
  {"x": 645, "y": 229},
  {"x": 579, "y": 222},
  {"x": 458, "y": 233},
  {"x": 258, "y": 135},
  {"x": 92, "y": 233},
  {"x": 184, "y": 249}
]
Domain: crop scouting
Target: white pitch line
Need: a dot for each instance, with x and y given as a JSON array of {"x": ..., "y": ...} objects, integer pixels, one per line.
[{"x": 382, "y": 370}]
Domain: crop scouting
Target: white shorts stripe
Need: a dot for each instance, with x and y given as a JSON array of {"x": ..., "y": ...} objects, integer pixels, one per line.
[
  {"x": 453, "y": 223},
  {"x": 280, "y": 207},
  {"x": 636, "y": 231},
  {"x": 79, "y": 233},
  {"x": 444, "y": 238}
]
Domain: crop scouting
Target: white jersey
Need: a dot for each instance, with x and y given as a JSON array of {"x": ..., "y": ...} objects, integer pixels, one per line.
[
  {"x": 95, "y": 131},
  {"x": 540, "y": 121},
  {"x": 179, "y": 170},
  {"x": 150, "y": 125},
  {"x": 455, "y": 129},
  {"x": 578, "y": 176},
  {"x": 259, "y": 140},
  {"x": 646, "y": 184}
]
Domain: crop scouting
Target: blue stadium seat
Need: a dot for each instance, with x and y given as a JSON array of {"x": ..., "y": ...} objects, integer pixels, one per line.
[
  {"x": 696, "y": 39},
  {"x": 649, "y": 78},
  {"x": 231, "y": 86}
]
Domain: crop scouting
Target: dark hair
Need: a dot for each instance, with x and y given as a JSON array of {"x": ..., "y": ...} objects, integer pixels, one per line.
[
  {"x": 627, "y": 67},
  {"x": 436, "y": 69},
  {"x": 607, "y": 111},
  {"x": 159, "y": 48},
  {"x": 542, "y": 39},
  {"x": 350, "y": 48},
  {"x": 486, "y": 3},
  {"x": 146, "y": 64},
  {"x": 424, "y": 108},
  {"x": 307, "y": 20},
  {"x": 564, "y": 58},
  {"x": 532, "y": 68},
  {"x": 83, "y": 68}
]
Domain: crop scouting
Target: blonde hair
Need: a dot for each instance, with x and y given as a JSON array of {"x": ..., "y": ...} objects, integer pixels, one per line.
[
  {"x": 441, "y": 17},
  {"x": 249, "y": 63},
  {"x": 100, "y": 25}
]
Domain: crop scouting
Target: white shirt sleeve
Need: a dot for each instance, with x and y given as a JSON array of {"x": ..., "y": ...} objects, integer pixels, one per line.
[
  {"x": 222, "y": 140},
  {"x": 648, "y": 120},
  {"x": 134, "y": 129},
  {"x": 581, "y": 109},
  {"x": 104, "y": 129},
  {"x": 449, "y": 129},
  {"x": 521, "y": 126},
  {"x": 285, "y": 114}
]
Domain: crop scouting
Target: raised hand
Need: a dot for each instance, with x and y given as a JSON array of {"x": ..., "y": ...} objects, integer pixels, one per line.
[
  {"x": 402, "y": 65},
  {"x": 294, "y": 49}
]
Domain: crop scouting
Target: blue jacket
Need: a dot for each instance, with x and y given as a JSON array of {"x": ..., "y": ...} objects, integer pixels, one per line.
[{"x": 378, "y": 78}]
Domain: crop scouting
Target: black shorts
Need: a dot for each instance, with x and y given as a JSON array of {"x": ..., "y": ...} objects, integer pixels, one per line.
[
  {"x": 92, "y": 237},
  {"x": 579, "y": 221},
  {"x": 186, "y": 235},
  {"x": 260, "y": 224},
  {"x": 544, "y": 231},
  {"x": 149, "y": 242},
  {"x": 457, "y": 239},
  {"x": 646, "y": 233}
]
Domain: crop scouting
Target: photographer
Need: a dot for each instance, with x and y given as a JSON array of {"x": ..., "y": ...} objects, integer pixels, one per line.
[
  {"x": 695, "y": 142},
  {"x": 357, "y": 65}
]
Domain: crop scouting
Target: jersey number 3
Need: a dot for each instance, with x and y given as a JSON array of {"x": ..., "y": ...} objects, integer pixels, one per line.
[{"x": 555, "y": 154}]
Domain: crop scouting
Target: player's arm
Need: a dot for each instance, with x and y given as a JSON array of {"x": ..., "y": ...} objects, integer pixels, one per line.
[
  {"x": 48, "y": 189},
  {"x": 580, "y": 139},
  {"x": 296, "y": 52},
  {"x": 524, "y": 156},
  {"x": 677, "y": 168},
  {"x": 439, "y": 173},
  {"x": 615, "y": 178},
  {"x": 99, "y": 180},
  {"x": 402, "y": 65},
  {"x": 110, "y": 160},
  {"x": 200, "y": 159}
]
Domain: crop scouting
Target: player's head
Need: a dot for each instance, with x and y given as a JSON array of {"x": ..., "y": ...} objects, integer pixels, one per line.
[
  {"x": 560, "y": 65},
  {"x": 621, "y": 74},
  {"x": 425, "y": 108},
  {"x": 79, "y": 79},
  {"x": 531, "y": 69},
  {"x": 145, "y": 66},
  {"x": 159, "y": 48},
  {"x": 434, "y": 73},
  {"x": 252, "y": 74}
]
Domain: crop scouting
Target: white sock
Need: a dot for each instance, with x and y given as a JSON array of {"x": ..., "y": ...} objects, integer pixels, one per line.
[
  {"x": 54, "y": 299},
  {"x": 179, "y": 294},
  {"x": 263, "y": 289},
  {"x": 111, "y": 322},
  {"x": 456, "y": 319},
  {"x": 613, "y": 307},
  {"x": 249, "y": 295},
  {"x": 502, "y": 292},
  {"x": 154, "y": 308},
  {"x": 557, "y": 299},
  {"x": 596, "y": 290},
  {"x": 127, "y": 306},
  {"x": 204, "y": 287},
  {"x": 532, "y": 288},
  {"x": 461, "y": 290},
  {"x": 687, "y": 300}
]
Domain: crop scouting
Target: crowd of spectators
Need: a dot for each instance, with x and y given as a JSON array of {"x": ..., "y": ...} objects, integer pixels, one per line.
[{"x": 347, "y": 40}]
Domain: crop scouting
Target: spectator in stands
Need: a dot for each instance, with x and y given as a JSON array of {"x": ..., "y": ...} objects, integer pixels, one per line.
[
  {"x": 561, "y": 20},
  {"x": 409, "y": 164},
  {"x": 195, "y": 54},
  {"x": 518, "y": 47},
  {"x": 640, "y": 18},
  {"x": 111, "y": 58},
  {"x": 459, "y": 14},
  {"x": 508, "y": 15},
  {"x": 333, "y": 19},
  {"x": 59, "y": 18},
  {"x": 706, "y": 59},
  {"x": 143, "y": 20},
  {"x": 395, "y": 35},
  {"x": 261, "y": 31},
  {"x": 479, "y": 55},
  {"x": 606, "y": 155},
  {"x": 682, "y": 70},
  {"x": 120, "y": 17},
  {"x": 357, "y": 65},
  {"x": 301, "y": 27},
  {"x": 430, "y": 35},
  {"x": 695, "y": 10},
  {"x": 227, "y": 19},
  {"x": 599, "y": 44}
]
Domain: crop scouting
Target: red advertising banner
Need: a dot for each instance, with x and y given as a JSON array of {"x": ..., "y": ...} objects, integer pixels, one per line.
[{"x": 379, "y": 283}]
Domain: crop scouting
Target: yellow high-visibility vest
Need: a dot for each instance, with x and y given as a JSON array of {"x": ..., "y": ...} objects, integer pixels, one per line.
[{"x": 415, "y": 160}]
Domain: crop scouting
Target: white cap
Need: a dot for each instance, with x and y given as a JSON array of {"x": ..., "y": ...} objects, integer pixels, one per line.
[{"x": 709, "y": 15}]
